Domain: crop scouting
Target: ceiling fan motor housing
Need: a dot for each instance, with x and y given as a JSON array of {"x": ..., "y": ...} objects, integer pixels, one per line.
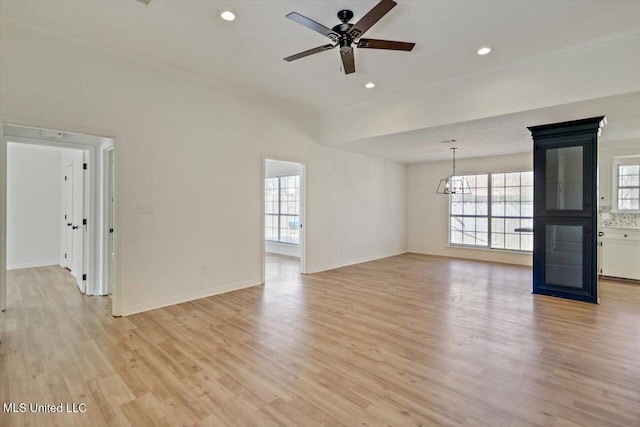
[
  {"x": 345, "y": 15},
  {"x": 345, "y": 39}
]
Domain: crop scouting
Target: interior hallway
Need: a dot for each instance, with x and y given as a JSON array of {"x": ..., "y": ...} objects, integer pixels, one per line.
[{"x": 407, "y": 340}]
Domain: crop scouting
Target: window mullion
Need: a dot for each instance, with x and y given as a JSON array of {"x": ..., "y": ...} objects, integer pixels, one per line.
[
  {"x": 279, "y": 208},
  {"x": 489, "y": 202}
]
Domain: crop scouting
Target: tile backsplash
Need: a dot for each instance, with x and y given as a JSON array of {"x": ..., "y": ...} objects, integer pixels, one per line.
[{"x": 617, "y": 219}]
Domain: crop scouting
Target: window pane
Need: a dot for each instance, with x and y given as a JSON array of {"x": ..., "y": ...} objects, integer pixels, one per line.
[
  {"x": 456, "y": 223},
  {"x": 456, "y": 237},
  {"x": 469, "y": 213},
  {"x": 627, "y": 180},
  {"x": 512, "y": 241},
  {"x": 468, "y": 224},
  {"x": 510, "y": 225},
  {"x": 497, "y": 240},
  {"x": 469, "y": 209},
  {"x": 282, "y": 208},
  {"x": 497, "y": 225},
  {"x": 512, "y": 194},
  {"x": 526, "y": 242},
  {"x": 629, "y": 169},
  {"x": 469, "y": 238},
  {"x": 526, "y": 178},
  {"x": 526, "y": 194},
  {"x": 456, "y": 208},
  {"x": 511, "y": 209},
  {"x": 512, "y": 179}
]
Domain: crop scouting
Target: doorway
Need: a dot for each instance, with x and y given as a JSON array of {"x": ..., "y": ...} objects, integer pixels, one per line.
[
  {"x": 283, "y": 214},
  {"x": 85, "y": 190}
]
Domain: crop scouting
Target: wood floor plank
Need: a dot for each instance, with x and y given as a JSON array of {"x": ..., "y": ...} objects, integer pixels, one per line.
[{"x": 402, "y": 341}]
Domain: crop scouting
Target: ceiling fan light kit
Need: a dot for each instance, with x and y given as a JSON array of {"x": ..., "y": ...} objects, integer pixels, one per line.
[{"x": 346, "y": 34}]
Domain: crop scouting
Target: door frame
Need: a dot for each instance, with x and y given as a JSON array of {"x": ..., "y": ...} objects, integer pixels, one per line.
[
  {"x": 109, "y": 215},
  {"x": 67, "y": 261},
  {"x": 94, "y": 233},
  {"x": 303, "y": 212}
]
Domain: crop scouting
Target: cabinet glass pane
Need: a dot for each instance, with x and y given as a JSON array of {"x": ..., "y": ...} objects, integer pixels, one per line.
[
  {"x": 564, "y": 178},
  {"x": 563, "y": 255}
]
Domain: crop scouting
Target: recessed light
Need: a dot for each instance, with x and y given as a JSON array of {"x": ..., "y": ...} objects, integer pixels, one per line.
[
  {"x": 484, "y": 50},
  {"x": 227, "y": 15},
  {"x": 370, "y": 85}
]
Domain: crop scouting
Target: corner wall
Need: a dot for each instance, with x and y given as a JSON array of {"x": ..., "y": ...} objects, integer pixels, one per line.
[{"x": 428, "y": 212}]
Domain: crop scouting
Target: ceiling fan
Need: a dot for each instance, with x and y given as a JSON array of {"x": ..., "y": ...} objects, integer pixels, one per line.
[{"x": 346, "y": 33}]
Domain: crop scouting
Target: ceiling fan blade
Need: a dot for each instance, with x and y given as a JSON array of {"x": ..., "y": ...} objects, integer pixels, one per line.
[
  {"x": 313, "y": 25},
  {"x": 385, "y": 44},
  {"x": 371, "y": 18},
  {"x": 309, "y": 52},
  {"x": 348, "y": 62}
]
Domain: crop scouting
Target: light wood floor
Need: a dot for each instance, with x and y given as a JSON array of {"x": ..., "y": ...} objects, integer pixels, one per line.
[{"x": 408, "y": 340}]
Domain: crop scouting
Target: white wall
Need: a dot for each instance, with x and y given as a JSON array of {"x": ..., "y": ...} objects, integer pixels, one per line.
[
  {"x": 34, "y": 194},
  {"x": 282, "y": 249},
  {"x": 607, "y": 152},
  {"x": 191, "y": 152},
  {"x": 428, "y": 213}
]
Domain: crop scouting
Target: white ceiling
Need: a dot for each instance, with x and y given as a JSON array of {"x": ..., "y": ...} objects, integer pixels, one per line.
[
  {"x": 506, "y": 134},
  {"x": 189, "y": 35}
]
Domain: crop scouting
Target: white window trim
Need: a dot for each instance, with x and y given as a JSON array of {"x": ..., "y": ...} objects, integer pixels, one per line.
[{"x": 616, "y": 162}]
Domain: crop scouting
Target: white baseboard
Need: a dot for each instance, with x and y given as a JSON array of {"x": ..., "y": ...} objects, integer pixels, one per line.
[
  {"x": 164, "y": 302},
  {"x": 313, "y": 270}
]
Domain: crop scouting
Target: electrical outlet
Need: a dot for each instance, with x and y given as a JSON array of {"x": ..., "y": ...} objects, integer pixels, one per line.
[
  {"x": 205, "y": 268},
  {"x": 145, "y": 209}
]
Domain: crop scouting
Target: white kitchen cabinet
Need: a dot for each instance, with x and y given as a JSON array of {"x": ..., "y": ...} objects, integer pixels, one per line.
[{"x": 620, "y": 253}]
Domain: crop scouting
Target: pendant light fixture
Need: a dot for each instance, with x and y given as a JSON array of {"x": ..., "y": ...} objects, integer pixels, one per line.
[{"x": 454, "y": 184}]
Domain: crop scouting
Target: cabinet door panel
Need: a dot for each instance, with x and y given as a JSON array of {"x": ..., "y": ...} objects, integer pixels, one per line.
[{"x": 621, "y": 258}]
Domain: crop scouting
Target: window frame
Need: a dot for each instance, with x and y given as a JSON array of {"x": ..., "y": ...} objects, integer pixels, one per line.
[
  {"x": 615, "y": 181},
  {"x": 279, "y": 215},
  {"x": 489, "y": 216}
]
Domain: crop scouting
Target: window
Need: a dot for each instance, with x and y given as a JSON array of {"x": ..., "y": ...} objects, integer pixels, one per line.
[
  {"x": 628, "y": 187},
  {"x": 282, "y": 209},
  {"x": 512, "y": 211},
  {"x": 469, "y": 214},
  {"x": 498, "y": 214}
]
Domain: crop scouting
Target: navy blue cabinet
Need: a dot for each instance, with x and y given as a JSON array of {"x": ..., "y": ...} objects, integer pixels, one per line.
[{"x": 565, "y": 209}]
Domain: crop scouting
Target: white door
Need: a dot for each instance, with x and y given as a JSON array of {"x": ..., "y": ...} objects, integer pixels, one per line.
[{"x": 68, "y": 217}]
